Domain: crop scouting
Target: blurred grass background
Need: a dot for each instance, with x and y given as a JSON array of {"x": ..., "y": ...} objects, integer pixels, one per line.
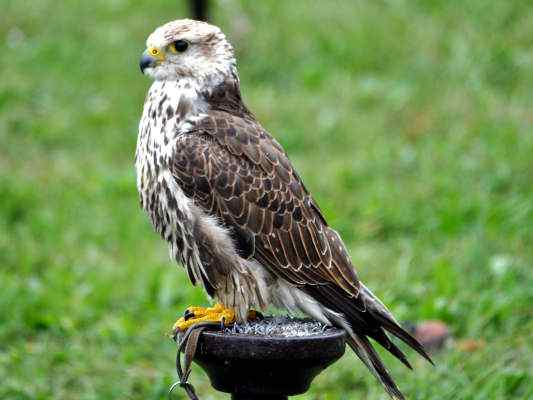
[{"x": 410, "y": 121}]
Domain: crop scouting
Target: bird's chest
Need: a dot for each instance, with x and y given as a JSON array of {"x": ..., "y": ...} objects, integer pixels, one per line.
[
  {"x": 160, "y": 195},
  {"x": 170, "y": 110}
]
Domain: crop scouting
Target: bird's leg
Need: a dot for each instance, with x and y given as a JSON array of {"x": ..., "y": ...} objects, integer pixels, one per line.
[{"x": 194, "y": 315}]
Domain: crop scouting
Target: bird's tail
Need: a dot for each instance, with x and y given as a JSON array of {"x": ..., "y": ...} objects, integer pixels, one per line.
[
  {"x": 383, "y": 316},
  {"x": 366, "y": 317}
]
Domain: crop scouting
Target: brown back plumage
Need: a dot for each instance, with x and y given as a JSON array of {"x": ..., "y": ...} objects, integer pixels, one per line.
[{"x": 232, "y": 168}]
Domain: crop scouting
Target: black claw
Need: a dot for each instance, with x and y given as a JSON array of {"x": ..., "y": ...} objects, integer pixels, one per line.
[{"x": 188, "y": 314}]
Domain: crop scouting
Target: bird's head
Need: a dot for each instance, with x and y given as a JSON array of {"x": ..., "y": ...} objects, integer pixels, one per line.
[{"x": 187, "y": 49}]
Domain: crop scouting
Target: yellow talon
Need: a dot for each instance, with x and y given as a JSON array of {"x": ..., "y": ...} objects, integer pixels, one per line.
[{"x": 194, "y": 315}]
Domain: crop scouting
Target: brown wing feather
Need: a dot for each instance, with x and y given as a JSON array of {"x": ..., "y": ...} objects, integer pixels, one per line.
[{"x": 234, "y": 169}]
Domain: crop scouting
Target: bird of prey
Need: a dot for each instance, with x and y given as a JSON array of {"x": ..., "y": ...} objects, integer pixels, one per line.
[{"x": 234, "y": 211}]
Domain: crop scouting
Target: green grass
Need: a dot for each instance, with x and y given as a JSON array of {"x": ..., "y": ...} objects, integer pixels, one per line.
[{"x": 410, "y": 121}]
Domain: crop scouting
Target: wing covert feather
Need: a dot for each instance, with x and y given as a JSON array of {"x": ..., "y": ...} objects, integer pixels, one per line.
[{"x": 233, "y": 169}]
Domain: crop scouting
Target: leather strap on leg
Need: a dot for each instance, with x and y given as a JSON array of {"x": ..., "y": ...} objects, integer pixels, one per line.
[{"x": 187, "y": 344}]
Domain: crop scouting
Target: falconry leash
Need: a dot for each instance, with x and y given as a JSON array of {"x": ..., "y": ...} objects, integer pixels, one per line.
[{"x": 187, "y": 344}]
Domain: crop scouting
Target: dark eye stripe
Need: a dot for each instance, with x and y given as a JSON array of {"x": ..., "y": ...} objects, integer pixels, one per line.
[{"x": 181, "y": 45}]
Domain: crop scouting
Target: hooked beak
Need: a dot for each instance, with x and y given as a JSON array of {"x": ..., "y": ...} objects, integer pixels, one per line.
[{"x": 147, "y": 61}]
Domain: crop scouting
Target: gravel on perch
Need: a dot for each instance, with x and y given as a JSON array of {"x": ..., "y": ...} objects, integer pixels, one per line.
[{"x": 279, "y": 326}]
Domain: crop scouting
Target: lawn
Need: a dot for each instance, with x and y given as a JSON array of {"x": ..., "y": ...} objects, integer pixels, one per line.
[{"x": 410, "y": 121}]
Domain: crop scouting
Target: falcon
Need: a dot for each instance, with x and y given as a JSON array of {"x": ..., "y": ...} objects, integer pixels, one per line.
[{"x": 221, "y": 191}]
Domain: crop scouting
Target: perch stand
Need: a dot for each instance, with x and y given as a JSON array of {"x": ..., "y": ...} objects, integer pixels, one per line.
[{"x": 271, "y": 359}]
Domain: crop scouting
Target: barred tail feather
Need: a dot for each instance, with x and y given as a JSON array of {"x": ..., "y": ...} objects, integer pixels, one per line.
[
  {"x": 367, "y": 354},
  {"x": 386, "y": 320},
  {"x": 365, "y": 317}
]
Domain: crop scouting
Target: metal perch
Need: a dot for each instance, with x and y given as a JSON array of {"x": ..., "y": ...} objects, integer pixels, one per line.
[{"x": 269, "y": 359}]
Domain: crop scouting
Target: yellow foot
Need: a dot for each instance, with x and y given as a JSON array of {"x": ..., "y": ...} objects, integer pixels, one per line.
[{"x": 194, "y": 315}]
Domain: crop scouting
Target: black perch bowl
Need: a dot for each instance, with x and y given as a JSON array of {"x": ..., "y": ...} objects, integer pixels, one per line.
[{"x": 266, "y": 365}]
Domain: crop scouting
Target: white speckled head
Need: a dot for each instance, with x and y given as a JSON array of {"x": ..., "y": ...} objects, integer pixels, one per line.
[{"x": 188, "y": 49}]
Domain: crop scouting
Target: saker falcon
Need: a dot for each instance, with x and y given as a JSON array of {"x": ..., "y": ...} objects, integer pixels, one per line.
[{"x": 234, "y": 211}]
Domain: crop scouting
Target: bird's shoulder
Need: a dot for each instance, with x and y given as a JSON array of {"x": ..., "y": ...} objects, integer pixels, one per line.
[{"x": 223, "y": 144}]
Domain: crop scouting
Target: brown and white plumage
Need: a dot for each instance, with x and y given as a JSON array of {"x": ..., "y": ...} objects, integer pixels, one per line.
[{"x": 224, "y": 195}]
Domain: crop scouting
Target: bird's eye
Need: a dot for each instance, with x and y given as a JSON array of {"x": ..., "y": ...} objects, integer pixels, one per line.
[{"x": 180, "y": 45}]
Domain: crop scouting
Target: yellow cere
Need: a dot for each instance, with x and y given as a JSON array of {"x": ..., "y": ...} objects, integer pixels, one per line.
[{"x": 156, "y": 53}]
